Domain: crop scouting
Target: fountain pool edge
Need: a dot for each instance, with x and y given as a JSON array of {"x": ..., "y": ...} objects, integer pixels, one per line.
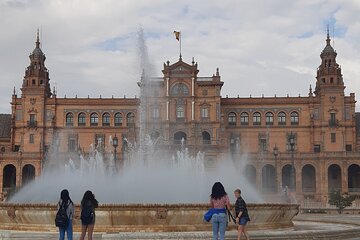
[{"x": 141, "y": 217}]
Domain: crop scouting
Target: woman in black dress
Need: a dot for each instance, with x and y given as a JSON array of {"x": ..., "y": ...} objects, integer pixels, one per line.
[{"x": 88, "y": 205}]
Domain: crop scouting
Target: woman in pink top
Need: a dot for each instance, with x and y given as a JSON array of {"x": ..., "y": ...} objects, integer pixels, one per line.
[{"x": 219, "y": 200}]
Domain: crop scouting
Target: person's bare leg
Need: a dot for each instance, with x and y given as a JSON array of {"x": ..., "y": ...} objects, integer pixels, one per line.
[
  {"x": 83, "y": 232},
  {"x": 90, "y": 231},
  {"x": 239, "y": 232},
  {"x": 245, "y": 233}
]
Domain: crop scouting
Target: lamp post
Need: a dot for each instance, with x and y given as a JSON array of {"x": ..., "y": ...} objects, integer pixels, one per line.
[
  {"x": 115, "y": 145},
  {"x": 292, "y": 146},
  {"x": 276, "y": 154}
]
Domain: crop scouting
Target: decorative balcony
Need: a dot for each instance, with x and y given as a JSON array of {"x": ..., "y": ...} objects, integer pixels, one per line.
[
  {"x": 334, "y": 123},
  {"x": 31, "y": 124}
]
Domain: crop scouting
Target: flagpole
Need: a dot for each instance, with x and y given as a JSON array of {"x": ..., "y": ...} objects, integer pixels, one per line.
[{"x": 180, "y": 45}]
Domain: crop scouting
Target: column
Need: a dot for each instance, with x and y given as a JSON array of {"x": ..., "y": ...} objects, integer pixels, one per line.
[
  {"x": 167, "y": 110},
  {"x": 344, "y": 178},
  {"x": 192, "y": 110},
  {"x": 167, "y": 86},
  {"x": 192, "y": 87}
]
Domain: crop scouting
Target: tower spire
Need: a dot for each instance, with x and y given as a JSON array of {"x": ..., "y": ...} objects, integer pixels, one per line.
[
  {"x": 37, "y": 39},
  {"x": 327, "y": 36}
]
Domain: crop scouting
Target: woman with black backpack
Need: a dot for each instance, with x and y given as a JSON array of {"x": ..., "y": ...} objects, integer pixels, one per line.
[
  {"x": 88, "y": 205},
  {"x": 64, "y": 215}
]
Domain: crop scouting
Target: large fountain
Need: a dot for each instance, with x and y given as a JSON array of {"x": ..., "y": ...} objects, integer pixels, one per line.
[{"x": 152, "y": 190}]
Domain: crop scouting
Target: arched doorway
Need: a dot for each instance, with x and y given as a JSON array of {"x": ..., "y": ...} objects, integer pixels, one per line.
[
  {"x": 206, "y": 137},
  {"x": 268, "y": 179},
  {"x": 286, "y": 176},
  {"x": 179, "y": 137},
  {"x": 9, "y": 177},
  {"x": 250, "y": 174},
  {"x": 28, "y": 173},
  {"x": 354, "y": 178},
  {"x": 308, "y": 176},
  {"x": 334, "y": 178}
]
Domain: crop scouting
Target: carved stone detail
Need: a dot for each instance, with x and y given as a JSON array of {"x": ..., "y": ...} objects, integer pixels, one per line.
[{"x": 161, "y": 213}]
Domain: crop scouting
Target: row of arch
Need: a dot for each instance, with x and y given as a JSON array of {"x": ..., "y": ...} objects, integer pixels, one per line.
[
  {"x": 9, "y": 175},
  {"x": 269, "y": 118},
  {"x": 117, "y": 119},
  {"x": 308, "y": 177}
]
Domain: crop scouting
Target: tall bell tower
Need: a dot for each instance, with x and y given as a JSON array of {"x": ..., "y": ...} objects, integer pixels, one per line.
[
  {"x": 31, "y": 108},
  {"x": 330, "y": 91}
]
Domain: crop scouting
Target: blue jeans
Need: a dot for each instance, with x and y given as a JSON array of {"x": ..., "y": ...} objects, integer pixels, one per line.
[
  {"x": 68, "y": 230},
  {"x": 219, "y": 222}
]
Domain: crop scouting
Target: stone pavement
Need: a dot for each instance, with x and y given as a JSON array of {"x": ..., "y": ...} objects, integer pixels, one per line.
[{"x": 307, "y": 226}]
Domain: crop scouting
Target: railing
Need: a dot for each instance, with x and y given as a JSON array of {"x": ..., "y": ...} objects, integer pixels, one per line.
[
  {"x": 354, "y": 189},
  {"x": 334, "y": 123},
  {"x": 308, "y": 189},
  {"x": 321, "y": 205},
  {"x": 206, "y": 141},
  {"x": 32, "y": 124},
  {"x": 204, "y": 79},
  {"x": 179, "y": 141}
]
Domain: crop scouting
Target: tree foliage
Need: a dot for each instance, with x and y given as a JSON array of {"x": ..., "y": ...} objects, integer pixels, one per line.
[{"x": 340, "y": 200}]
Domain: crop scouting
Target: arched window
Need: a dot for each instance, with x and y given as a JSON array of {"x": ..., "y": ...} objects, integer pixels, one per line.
[
  {"x": 294, "y": 117},
  {"x": 82, "y": 119},
  {"x": 282, "y": 118},
  {"x": 287, "y": 177},
  {"x": 69, "y": 119},
  {"x": 308, "y": 176},
  {"x": 106, "y": 119},
  {"x": 28, "y": 173},
  {"x": 179, "y": 138},
  {"x": 94, "y": 119},
  {"x": 250, "y": 173},
  {"x": 354, "y": 178},
  {"x": 269, "y": 118},
  {"x": 180, "y": 112},
  {"x": 180, "y": 89},
  {"x": 269, "y": 179},
  {"x": 206, "y": 137},
  {"x": 9, "y": 177},
  {"x": 256, "y": 118},
  {"x": 232, "y": 119},
  {"x": 130, "y": 119},
  {"x": 118, "y": 119},
  {"x": 244, "y": 118},
  {"x": 334, "y": 178}
]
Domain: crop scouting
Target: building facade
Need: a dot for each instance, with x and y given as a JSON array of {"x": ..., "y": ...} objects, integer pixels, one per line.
[{"x": 309, "y": 145}]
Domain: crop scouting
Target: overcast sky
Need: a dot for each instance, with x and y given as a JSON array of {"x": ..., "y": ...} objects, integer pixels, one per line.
[{"x": 261, "y": 47}]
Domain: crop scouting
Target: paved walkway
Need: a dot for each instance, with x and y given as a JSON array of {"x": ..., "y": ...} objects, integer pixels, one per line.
[{"x": 307, "y": 226}]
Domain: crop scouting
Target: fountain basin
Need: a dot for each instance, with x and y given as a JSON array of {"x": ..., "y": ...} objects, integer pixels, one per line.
[{"x": 141, "y": 217}]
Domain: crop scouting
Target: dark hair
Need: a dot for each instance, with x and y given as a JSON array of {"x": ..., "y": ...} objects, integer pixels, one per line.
[
  {"x": 89, "y": 197},
  {"x": 64, "y": 196},
  {"x": 238, "y": 191},
  {"x": 218, "y": 191}
]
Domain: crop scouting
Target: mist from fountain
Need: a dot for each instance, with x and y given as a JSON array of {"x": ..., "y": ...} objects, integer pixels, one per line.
[{"x": 148, "y": 175}]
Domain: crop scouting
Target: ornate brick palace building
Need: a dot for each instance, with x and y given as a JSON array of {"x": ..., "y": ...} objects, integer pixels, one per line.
[{"x": 310, "y": 144}]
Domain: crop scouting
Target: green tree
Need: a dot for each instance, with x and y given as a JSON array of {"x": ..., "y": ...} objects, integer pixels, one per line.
[{"x": 340, "y": 200}]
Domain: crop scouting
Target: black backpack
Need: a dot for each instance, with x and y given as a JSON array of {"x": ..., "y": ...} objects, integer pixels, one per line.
[
  {"x": 61, "y": 218},
  {"x": 87, "y": 216}
]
